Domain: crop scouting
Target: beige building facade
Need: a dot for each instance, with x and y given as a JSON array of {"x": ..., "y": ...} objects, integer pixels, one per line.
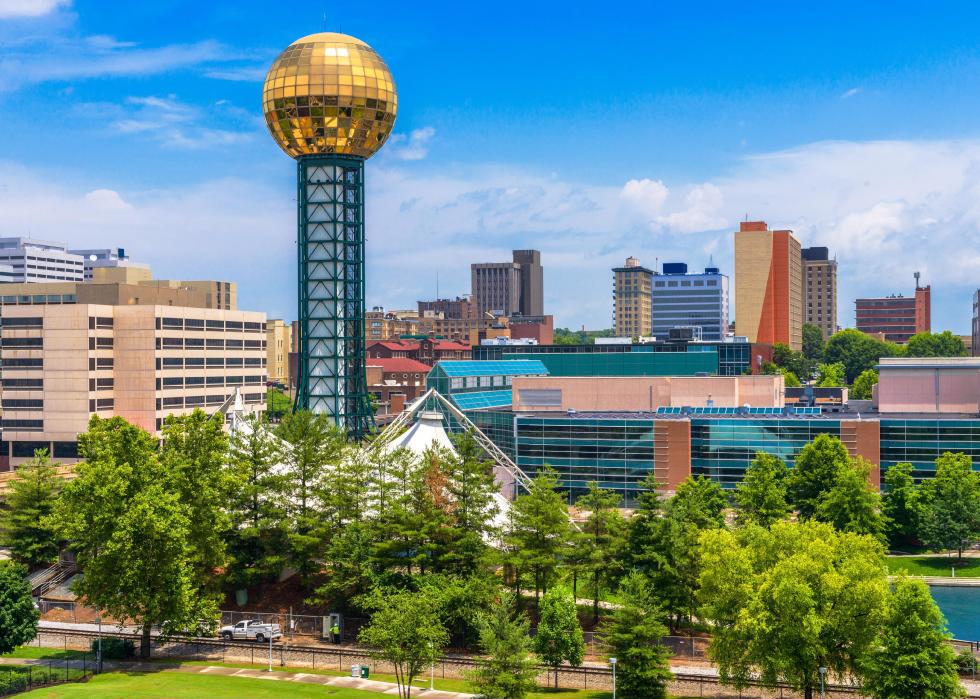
[
  {"x": 768, "y": 285},
  {"x": 820, "y": 290},
  {"x": 632, "y": 299},
  {"x": 63, "y": 361},
  {"x": 278, "y": 344}
]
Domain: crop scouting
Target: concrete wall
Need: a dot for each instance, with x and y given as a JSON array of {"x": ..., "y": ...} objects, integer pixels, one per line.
[
  {"x": 928, "y": 390},
  {"x": 646, "y": 393}
]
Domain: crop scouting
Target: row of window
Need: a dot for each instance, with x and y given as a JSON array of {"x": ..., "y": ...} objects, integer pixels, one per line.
[
  {"x": 21, "y": 384},
  {"x": 191, "y": 381},
  {"x": 209, "y": 362},
  {"x": 201, "y": 324},
  {"x": 177, "y": 402},
  {"x": 169, "y": 343}
]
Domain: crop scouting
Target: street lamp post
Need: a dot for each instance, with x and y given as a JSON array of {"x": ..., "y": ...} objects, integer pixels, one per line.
[
  {"x": 612, "y": 661},
  {"x": 270, "y": 650},
  {"x": 823, "y": 673},
  {"x": 99, "y": 652},
  {"x": 432, "y": 670}
]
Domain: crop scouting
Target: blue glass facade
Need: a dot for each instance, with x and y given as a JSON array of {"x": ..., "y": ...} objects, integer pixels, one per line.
[
  {"x": 723, "y": 449},
  {"x": 921, "y": 442},
  {"x": 617, "y": 453}
]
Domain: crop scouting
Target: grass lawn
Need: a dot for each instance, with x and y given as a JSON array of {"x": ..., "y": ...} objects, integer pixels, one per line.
[
  {"x": 35, "y": 653},
  {"x": 174, "y": 685},
  {"x": 937, "y": 566}
]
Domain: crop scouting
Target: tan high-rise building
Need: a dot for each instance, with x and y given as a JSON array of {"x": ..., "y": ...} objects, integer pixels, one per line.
[
  {"x": 632, "y": 299},
  {"x": 820, "y": 290},
  {"x": 278, "y": 345},
  {"x": 64, "y": 360},
  {"x": 768, "y": 285}
]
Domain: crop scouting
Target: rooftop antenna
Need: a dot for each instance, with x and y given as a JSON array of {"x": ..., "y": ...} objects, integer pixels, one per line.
[{"x": 916, "y": 275}]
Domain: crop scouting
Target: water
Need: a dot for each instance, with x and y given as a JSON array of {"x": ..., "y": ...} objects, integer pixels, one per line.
[{"x": 961, "y": 607}]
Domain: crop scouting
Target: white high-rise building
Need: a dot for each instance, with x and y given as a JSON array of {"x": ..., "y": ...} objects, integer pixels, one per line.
[
  {"x": 105, "y": 257},
  {"x": 682, "y": 300},
  {"x": 32, "y": 260}
]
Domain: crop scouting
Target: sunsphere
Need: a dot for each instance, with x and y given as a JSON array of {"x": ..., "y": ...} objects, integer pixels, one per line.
[{"x": 329, "y": 93}]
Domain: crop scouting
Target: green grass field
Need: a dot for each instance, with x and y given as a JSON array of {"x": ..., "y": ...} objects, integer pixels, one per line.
[
  {"x": 175, "y": 685},
  {"x": 936, "y": 566}
]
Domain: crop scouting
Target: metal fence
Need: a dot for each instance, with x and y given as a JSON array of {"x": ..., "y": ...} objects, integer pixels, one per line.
[
  {"x": 297, "y": 625},
  {"x": 76, "y": 667}
]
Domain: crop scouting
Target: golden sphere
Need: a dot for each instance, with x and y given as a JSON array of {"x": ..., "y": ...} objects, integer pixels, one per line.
[{"x": 329, "y": 93}]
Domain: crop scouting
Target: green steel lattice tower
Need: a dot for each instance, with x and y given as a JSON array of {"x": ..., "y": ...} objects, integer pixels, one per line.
[{"x": 330, "y": 103}]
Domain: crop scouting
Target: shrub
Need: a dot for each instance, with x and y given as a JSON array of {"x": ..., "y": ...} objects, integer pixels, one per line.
[
  {"x": 115, "y": 648},
  {"x": 966, "y": 662}
]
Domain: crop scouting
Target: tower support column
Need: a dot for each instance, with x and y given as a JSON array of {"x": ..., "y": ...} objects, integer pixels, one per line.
[{"x": 331, "y": 355}]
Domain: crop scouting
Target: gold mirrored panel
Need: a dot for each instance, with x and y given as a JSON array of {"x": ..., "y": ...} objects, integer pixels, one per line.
[{"x": 329, "y": 93}]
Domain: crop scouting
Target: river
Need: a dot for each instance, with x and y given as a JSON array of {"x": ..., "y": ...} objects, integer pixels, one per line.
[{"x": 961, "y": 607}]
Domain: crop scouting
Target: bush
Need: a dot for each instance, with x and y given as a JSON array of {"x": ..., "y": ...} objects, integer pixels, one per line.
[
  {"x": 115, "y": 648},
  {"x": 13, "y": 680},
  {"x": 966, "y": 662}
]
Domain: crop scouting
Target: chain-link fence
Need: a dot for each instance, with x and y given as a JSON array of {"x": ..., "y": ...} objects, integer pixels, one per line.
[{"x": 75, "y": 667}]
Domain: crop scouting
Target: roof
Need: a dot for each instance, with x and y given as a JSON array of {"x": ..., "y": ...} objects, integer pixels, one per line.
[
  {"x": 483, "y": 399},
  {"x": 450, "y": 345},
  {"x": 502, "y": 367},
  {"x": 400, "y": 364},
  {"x": 929, "y": 363},
  {"x": 410, "y": 344}
]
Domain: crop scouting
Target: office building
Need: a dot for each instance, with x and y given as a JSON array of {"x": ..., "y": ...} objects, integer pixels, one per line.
[
  {"x": 820, "y": 290},
  {"x": 768, "y": 285},
  {"x": 64, "y": 360},
  {"x": 380, "y": 324},
  {"x": 688, "y": 300},
  {"x": 33, "y": 260},
  {"x": 106, "y": 258},
  {"x": 896, "y": 318},
  {"x": 509, "y": 288},
  {"x": 460, "y": 308},
  {"x": 632, "y": 297},
  {"x": 278, "y": 345}
]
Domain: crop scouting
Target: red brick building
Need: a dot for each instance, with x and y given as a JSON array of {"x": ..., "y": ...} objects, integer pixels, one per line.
[
  {"x": 895, "y": 318},
  {"x": 428, "y": 350},
  {"x": 395, "y": 381}
]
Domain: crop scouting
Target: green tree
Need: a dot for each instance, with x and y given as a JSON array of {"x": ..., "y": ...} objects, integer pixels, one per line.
[
  {"x": 761, "y": 496},
  {"x": 812, "y": 342},
  {"x": 510, "y": 670},
  {"x": 132, "y": 533},
  {"x": 951, "y": 505},
  {"x": 313, "y": 444},
  {"x": 786, "y": 601},
  {"x": 257, "y": 535},
  {"x": 277, "y": 403},
  {"x": 537, "y": 532},
  {"x": 815, "y": 472},
  {"x": 910, "y": 657},
  {"x": 24, "y": 524},
  {"x": 601, "y": 539},
  {"x": 792, "y": 361},
  {"x": 700, "y": 501},
  {"x": 900, "y": 504},
  {"x": 559, "y": 638},
  {"x": 831, "y": 375},
  {"x": 857, "y": 351},
  {"x": 852, "y": 504},
  {"x": 194, "y": 457},
  {"x": 470, "y": 488},
  {"x": 18, "y": 615},
  {"x": 927, "y": 344},
  {"x": 632, "y": 635},
  {"x": 404, "y": 631},
  {"x": 790, "y": 379},
  {"x": 864, "y": 385}
]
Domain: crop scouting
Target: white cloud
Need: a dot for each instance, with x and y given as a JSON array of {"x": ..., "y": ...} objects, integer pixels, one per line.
[
  {"x": 30, "y": 8},
  {"x": 239, "y": 74},
  {"x": 414, "y": 146},
  {"x": 886, "y": 209},
  {"x": 175, "y": 124},
  {"x": 847, "y": 94}
]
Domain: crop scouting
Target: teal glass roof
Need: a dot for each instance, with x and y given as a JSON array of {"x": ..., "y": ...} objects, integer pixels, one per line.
[
  {"x": 509, "y": 367},
  {"x": 483, "y": 399}
]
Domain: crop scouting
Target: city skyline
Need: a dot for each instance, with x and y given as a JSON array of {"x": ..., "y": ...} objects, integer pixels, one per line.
[{"x": 155, "y": 143}]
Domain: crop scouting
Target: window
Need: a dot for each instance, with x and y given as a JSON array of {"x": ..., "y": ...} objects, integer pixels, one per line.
[
  {"x": 215, "y": 324},
  {"x": 216, "y": 381},
  {"x": 173, "y": 343},
  {"x": 235, "y": 325},
  {"x": 194, "y": 381},
  {"x": 23, "y": 404},
  {"x": 173, "y": 362},
  {"x": 233, "y": 362},
  {"x": 173, "y": 381},
  {"x": 103, "y": 342},
  {"x": 104, "y": 363},
  {"x": 253, "y": 327},
  {"x": 234, "y": 380},
  {"x": 176, "y": 402},
  {"x": 193, "y": 401},
  {"x": 22, "y": 384},
  {"x": 194, "y": 343},
  {"x": 22, "y": 322},
  {"x": 30, "y": 363},
  {"x": 27, "y": 342},
  {"x": 216, "y": 362},
  {"x": 173, "y": 323},
  {"x": 215, "y": 344},
  {"x": 193, "y": 324},
  {"x": 233, "y": 344},
  {"x": 101, "y": 322}
]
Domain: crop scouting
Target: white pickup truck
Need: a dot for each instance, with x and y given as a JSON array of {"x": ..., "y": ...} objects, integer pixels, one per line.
[{"x": 251, "y": 630}]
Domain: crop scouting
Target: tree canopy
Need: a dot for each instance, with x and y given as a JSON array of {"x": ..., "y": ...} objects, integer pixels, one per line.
[
  {"x": 857, "y": 351},
  {"x": 927, "y": 344},
  {"x": 950, "y": 504},
  {"x": 25, "y": 524},
  {"x": 761, "y": 496},
  {"x": 788, "y": 600},
  {"x": 815, "y": 472},
  {"x": 559, "y": 638},
  {"x": 864, "y": 385},
  {"x": 18, "y": 615}
]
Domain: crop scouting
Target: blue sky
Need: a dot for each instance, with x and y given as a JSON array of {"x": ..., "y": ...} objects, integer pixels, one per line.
[{"x": 590, "y": 132}]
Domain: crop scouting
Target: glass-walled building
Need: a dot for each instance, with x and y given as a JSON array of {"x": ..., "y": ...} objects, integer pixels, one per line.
[{"x": 920, "y": 442}]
